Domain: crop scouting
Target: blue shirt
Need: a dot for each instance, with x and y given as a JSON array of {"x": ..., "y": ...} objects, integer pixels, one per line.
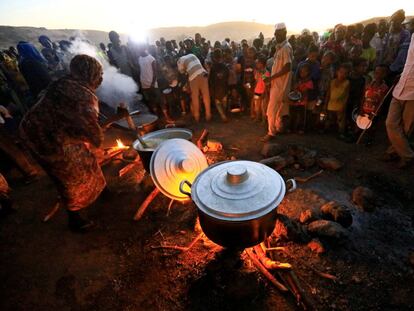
[{"x": 315, "y": 68}]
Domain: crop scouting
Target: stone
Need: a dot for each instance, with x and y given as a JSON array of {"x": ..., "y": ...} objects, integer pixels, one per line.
[
  {"x": 328, "y": 229},
  {"x": 364, "y": 198},
  {"x": 296, "y": 151},
  {"x": 287, "y": 229},
  {"x": 308, "y": 216},
  {"x": 337, "y": 212},
  {"x": 271, "y": 149},
  {"x": 316, "y": 246},
  {"x": 308, "y": 159},
  {"x": 277, "y": 162},
  {"x": 330, "y": 163}
]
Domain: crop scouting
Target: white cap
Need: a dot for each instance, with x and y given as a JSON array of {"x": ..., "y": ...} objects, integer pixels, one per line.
[{"x": 280, "y": 26}]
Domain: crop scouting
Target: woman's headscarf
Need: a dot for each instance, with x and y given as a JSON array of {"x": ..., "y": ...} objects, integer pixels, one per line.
[
  {"x": 27, "y": 51},
  {"x": 86, "y": 70},
  {"x": 45, "y": 41}
]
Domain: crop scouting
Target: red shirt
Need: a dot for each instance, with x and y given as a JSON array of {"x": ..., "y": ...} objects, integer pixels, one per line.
[
  {"x": 303, "y": 87},
  {"x": 374, "y": 94},
  {"x": 260, "y": 84}
]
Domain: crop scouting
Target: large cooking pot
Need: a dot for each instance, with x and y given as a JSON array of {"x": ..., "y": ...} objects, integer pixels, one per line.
[
  {"x": 154, "y": 139},
  {"x": 237, "y": 201}
]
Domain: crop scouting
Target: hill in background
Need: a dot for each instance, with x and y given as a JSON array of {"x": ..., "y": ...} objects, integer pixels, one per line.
[{"x": 237, "y": 31}]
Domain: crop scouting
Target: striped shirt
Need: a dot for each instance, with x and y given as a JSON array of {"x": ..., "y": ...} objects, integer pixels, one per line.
[{"x": 191, "y": 65}]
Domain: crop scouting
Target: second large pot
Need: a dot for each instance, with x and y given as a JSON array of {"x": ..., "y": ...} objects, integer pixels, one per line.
[{"x": 237, "y": 202}]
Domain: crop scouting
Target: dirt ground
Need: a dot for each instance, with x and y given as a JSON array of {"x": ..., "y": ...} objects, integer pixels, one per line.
[{"x": 115, "y": 267}]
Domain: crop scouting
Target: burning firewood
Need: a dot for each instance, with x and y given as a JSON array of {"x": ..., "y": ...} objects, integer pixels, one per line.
[
  {"x": 144, "y": 205},
  {"x": 180, "y": 248},
  {"x": 264, "y": 271},
  {"x": 289, "y": 277},
  {"x": 202, "y": 139},
  {"x": 269, "y": 263}
]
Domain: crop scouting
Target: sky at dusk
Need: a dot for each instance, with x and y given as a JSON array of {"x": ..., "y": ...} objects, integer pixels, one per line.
[{"x": 131, "y": 16}]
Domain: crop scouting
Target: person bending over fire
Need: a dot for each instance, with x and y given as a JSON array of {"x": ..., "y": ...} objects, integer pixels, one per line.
[{"x": 60, "y": 130}]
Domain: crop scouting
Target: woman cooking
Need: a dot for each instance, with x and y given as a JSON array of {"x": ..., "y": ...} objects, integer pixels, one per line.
[{"x": 59, "y": 131}]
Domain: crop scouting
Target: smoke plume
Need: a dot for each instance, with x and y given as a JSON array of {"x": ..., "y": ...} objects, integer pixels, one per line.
[{"x": 116, "y": 87}]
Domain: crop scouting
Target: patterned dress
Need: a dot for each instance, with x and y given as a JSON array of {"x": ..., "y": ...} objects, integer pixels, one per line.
[{"x": 59, "y": 130}]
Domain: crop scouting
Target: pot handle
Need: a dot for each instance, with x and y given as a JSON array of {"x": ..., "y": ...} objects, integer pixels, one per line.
[
  {"x": 293, "y": 186},
  {"x": 170, "y": 125},
  {"x": 182, "y": 183}
]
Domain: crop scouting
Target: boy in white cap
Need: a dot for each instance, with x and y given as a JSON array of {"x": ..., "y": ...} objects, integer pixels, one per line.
[{"x": 279, "y": 83}]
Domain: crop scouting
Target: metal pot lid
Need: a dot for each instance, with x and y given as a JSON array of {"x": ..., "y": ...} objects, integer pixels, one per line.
[
  {"x": 173, "y": 161},
  {"x": 238, "y": 190}
]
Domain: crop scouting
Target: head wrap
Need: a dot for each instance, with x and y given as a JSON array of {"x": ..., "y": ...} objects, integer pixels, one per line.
[
  {"x": 398, "y": 16},
  {"x": 27, "y": 51},
  {"x": 280, "y": 26},
  {"x": 45, "y": 41},
  {"x": 86, "y": 70}
]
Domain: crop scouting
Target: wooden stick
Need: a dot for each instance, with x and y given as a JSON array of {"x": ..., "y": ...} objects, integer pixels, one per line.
[
  {"x": 320, "y": 273},
  {"x": 303, "y": 180},
  {"x": 203, "y": 137},
  {"x": 144, "y": 205},
  {"x": 294, "y": 287},
  {"x": 180, "y": 248},
  {"x": 110, "y": 157},
  {"x": 264, "y": 271},
  {"x": 169, "y": 207},
  {"x": 279, "y": 248},
  {"x": 126, "y": 169},
  {"x": 267, "y": 262},
  {"x": 52, "y": 212}
]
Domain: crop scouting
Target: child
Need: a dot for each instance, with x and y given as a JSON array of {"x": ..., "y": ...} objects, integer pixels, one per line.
[
  {"x": 357, "y": 83},
  {"x": 337, "y": 98},
  {"x": 247, "y": 65},
  {"x": 218, "y": 81},
  {"x": 312, "y": 60},
  {"x": 297, "y": 109},
  {"x": 229, "y": 61},
  {"x": 373, "y": 96},
  {"x": 259, "y": 99}
]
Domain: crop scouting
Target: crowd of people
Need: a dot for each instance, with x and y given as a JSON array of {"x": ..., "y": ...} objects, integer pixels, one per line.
[{"x": 301, "y": 83}]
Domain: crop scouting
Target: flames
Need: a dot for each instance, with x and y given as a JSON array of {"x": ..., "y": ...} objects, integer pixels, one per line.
[{"x": 120, "y": 144}]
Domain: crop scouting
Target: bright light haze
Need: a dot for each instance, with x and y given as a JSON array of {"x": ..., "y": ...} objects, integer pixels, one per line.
[{"x": 128, "y": 15}]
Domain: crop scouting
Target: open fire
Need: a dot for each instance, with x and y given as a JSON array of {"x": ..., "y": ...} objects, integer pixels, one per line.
[{"x": 120, "y": 144}]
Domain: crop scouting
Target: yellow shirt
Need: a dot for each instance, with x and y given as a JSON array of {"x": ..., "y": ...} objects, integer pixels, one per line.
[
  {"x": 369, "y": 54},
  {"x": 339, "y": 92}
]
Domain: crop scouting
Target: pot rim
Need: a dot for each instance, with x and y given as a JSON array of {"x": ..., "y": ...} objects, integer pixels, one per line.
[{"x": 159, "y": 134}]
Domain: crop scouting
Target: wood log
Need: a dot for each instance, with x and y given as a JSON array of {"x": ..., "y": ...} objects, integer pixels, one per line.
[
  {"x": 180, "y": 248},
  {"x": 144, "y": 205},
  {"x": 202, "y": 139},
  {"x": 303, "y": 180},
  {"x": 269, "y": 263},
  {"x": 264, "y": 271},
  {"x": 52, "y": 212}
]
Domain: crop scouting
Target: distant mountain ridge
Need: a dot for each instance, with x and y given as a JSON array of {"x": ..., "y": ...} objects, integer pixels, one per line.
[{"x": 11, "y": 35}]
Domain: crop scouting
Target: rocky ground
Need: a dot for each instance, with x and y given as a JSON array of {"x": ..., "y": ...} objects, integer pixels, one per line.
[{"x": 351, "y": 249}]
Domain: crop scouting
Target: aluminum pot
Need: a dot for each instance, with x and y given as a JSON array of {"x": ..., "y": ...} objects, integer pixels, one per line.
[
  {"x": 237, "y": 201},
  {"x": 158, "y": 136}
]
